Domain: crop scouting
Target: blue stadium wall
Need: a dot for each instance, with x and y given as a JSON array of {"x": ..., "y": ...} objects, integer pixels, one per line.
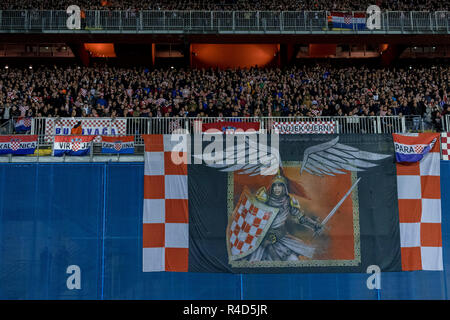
[{"x": 90, "y": 215}]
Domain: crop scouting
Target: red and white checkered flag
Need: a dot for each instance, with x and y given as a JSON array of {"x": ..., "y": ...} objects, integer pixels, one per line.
[{"x": 118, "y": 146}]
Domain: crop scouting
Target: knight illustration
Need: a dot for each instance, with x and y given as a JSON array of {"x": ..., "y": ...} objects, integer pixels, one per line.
[
  {"x": 278, "y": 244},
  {"x": 260, "y": 227}
]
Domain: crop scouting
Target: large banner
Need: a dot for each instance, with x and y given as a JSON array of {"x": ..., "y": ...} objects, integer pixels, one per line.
[
  {"x": 297, "y": 127},
  {"x": 330, "y": 205},
  {"x": 95, "y": 127},
  {"x": 419, "y": 200},
  {"x": 18, "y": 144}
]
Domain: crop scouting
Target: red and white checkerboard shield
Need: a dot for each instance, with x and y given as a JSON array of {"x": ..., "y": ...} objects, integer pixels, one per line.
[
  {"x": 76, "y": 144},
  {"x": 118, "y": 146},
  {"x": 419, "y": 148},
  {"x": 15, "y": 144},
  {"x": 248, "y": 225},
  {"x": 348, "y": 19}
]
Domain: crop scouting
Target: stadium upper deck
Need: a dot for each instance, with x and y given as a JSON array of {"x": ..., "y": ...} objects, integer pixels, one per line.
[
  {"x": 223, "y": 22},
  {"x": 229, "y": 5}
]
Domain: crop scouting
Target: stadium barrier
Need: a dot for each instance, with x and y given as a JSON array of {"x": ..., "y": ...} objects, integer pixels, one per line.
[
  {"x": 7, "y": 127},
  {"x": 446, "y": 123},
  {"x": 45, "y": 128},
  {"x": 344, "y": 124},
  {"x": 221, "y": 21}
]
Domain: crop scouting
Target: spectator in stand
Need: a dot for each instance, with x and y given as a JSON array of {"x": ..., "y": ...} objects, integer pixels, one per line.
[
  {"x": 15, "y": 112},
  {"x": 131, "y": 6},
  {"x": 2, "y": 114},
  {"x": 318, "y": 89},
  {"x": 437, "y": 120}
]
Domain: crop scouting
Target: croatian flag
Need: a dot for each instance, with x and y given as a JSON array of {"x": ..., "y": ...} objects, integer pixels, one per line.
[
  {"x": 342, "y": 20},
  {"x": 23, "y": 124},
  {"x": 412, "y": 148},
  {"x": 72, "y": 145},
  {"x": 18, "y": 144},
  {"x": 121, "y": 144}
]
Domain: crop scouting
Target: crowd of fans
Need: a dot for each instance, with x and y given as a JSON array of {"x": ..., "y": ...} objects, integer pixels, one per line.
[
  {"x": 261, "y": 5},
  {"x": 309, "y": 90}
]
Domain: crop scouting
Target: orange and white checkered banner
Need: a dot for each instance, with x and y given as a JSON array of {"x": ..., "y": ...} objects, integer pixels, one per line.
[
  {"x": 165, "y": 212},
  {"x": 419, "y": 202}
]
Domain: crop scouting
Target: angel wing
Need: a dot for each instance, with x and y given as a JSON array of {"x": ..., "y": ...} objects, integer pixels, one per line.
[
  {"x": 263, "y": 159},
  {"x": 331, "y": 157}
]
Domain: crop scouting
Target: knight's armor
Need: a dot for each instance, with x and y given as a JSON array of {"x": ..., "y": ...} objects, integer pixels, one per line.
[{"x": 278, "y": 244}]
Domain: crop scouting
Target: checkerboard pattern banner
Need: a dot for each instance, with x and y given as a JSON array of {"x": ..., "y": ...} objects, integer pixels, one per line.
[
  {"x": 419, "y": 202},
  {"x": 165, "y": 214},
  {"x": 296, "y": 127},
  {"x": 93, "y": 126},
  {"x": 444, "y": 145}
]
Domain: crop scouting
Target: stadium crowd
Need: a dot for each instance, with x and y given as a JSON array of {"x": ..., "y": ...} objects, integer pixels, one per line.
[
  {"x": 310, "y": 90},
  {"x": 209, "y": 5}
]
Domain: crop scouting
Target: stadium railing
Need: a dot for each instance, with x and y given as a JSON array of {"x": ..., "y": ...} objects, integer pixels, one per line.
[
  {"x": 446, "y": 123},
  {"x": 46, "y": 128},
  {"x": 219, "y": 22},
  {"x": 7, "y": 127}
]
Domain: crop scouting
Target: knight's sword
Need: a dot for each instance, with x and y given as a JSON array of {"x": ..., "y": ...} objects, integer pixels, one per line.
[{"x": 339, "y": 203}]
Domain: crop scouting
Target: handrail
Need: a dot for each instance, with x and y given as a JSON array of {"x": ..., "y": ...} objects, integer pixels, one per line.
[
  {"x": 6, "y": 127},
  {"x": 166, "y": 125},
  {"x": 45, "y": 128},
  {"x": 220, "y": 21},
  {"x": 446, "y": 123}
]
